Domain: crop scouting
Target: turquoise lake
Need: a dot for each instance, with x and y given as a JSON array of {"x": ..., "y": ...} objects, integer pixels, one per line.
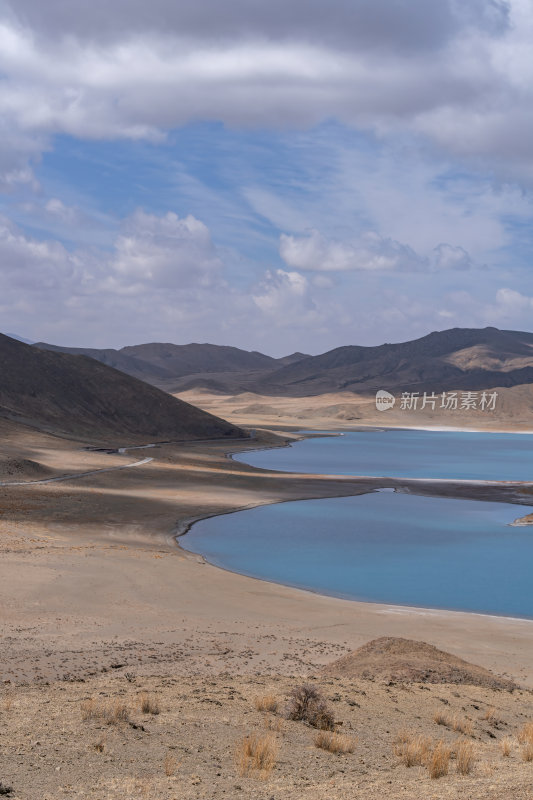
[
  {"x": 407, "y": 454},
  {"x": 385, "y": 546}
]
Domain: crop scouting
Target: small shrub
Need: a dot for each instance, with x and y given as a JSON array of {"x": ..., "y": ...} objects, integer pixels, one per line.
[
  {"x": 334, "y": 742},
  {"x": 170, "y": 765},
  {"x": 441, "y": 718},
  {"x": 149, "y": 704},
  {"x": 464, "y": 753},
  {"x": 266, "y": 702},
  {"x": 412, "y": 749},
  {"x": 307, "y": 704},
  {"x": 99, "y": 746},
  {"x": 258, "y": 753},
  {"x": 438, "y": 761},
  {"x": 491, "y": 716},
  {"x": 505, "y": 747},
  {"x": 5, "y": 789}
]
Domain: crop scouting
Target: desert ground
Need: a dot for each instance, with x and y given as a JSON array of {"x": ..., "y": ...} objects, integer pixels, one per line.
[
  {"x": 338, "y": 410},
  {"x": 103, "y": 613}
]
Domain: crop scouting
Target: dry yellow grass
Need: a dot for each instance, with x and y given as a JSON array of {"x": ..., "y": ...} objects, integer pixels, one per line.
[
  {"x": 454, "y": 722},
  {"x": 525, "y": 734},
  {"x": 334, "y": 742},
  {"x": 112, "y": 712},
  {"x": 438, "y": 761},
  {"x": 412, "y": 749},
  {"x": 490, "y": 715},
  {"x": 149, "y": 704},
  {"x": 527, "y": 751},
  {"x": 7, "y": 701},
  {"x": 170, "y": 765},
  {"x": 256, "y": 752},
  {"x": 266, "y": 702},
  {"x": 506, "y": 747},
  {"x": 465, "y": 756}
]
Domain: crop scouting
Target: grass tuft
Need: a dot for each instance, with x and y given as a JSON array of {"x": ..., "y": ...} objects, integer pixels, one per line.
[
  {"x": 438, "y": 761},
  {"x": 258, "y": 753},
  {"x": 464, "y": 753},
  {"x": 266, "y": 702},
  {"x": 505, "y": 747},
  {"x": 334, "y": 742},
  {"x": 491, "y": 716},
  {"x": 149, "y": 704},
  {"x": 170, "y": 765},
  {"x": 454, "y": 722},
  {"x": 527, "y": 751},
  {"x": 110, "y": 712},
  {"x": 412, "y": 749},
  {"x": 525, "y": 735}
]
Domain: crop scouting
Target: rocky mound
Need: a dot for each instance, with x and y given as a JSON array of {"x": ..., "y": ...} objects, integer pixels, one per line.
[{"x": 392, "y": 659}]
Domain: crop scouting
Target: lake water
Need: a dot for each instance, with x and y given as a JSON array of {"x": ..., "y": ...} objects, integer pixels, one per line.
[
  {"x": 407, "y": 454},
  {"x": 384, "y": 546}
]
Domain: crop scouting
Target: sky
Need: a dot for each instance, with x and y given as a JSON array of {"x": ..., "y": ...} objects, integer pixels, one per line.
[{"x": 274, "y": 176}]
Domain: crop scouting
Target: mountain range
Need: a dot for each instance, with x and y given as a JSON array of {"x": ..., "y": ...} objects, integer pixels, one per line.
[
  {"x": 459, "y": 358},
  {"x": 168, "y": 365}
]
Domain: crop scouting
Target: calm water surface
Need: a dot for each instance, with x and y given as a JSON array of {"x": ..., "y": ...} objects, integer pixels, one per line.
[
  {"x": 407, "y": 454},
  {"x": 384, "y": 546}
]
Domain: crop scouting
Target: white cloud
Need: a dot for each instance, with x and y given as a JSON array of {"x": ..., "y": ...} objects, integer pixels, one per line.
[
  {"x": 370, "y": 252},
  {"x": 446, "y": 256},
  {"x": 510, "y": 302},
  {"x": 457, "y": 72},
  {"x": 284, "y": 295},
  {"x": 166, "y": 252}
]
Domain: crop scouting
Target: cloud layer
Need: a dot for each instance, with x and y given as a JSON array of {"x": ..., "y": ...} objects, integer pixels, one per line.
[
  {"x": 459, "y": 73},
  {"x": 361, "y": 170}
]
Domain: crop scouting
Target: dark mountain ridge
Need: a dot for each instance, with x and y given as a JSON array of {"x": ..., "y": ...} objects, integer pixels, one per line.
[
  {"x": 77, "y": 396},
  {"x": 458, "y": 358}
]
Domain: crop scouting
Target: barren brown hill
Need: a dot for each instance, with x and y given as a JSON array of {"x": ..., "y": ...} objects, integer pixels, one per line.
[
  {"x": 460, "y": 358},
  {"x": 166, "y": 365},
  {"x": 456, "y": 359},
  {"x": 78, "y": 396},
  {"x": 393, "y": 659}
]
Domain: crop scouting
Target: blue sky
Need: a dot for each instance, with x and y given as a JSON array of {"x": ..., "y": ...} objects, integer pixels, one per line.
[{"x": 249, "y": 180}]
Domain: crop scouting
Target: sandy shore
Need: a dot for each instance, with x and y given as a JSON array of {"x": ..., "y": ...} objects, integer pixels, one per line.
[{"x": 90, "y": 577}]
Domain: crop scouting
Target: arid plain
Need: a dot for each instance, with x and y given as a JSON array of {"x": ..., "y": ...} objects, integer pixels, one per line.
[{"x": 99, "y": 605}]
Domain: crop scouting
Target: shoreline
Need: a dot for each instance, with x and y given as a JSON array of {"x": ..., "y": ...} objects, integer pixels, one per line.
[
  {"x": 92, "y": 575},
  {"x": 185, "y": 526}
]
